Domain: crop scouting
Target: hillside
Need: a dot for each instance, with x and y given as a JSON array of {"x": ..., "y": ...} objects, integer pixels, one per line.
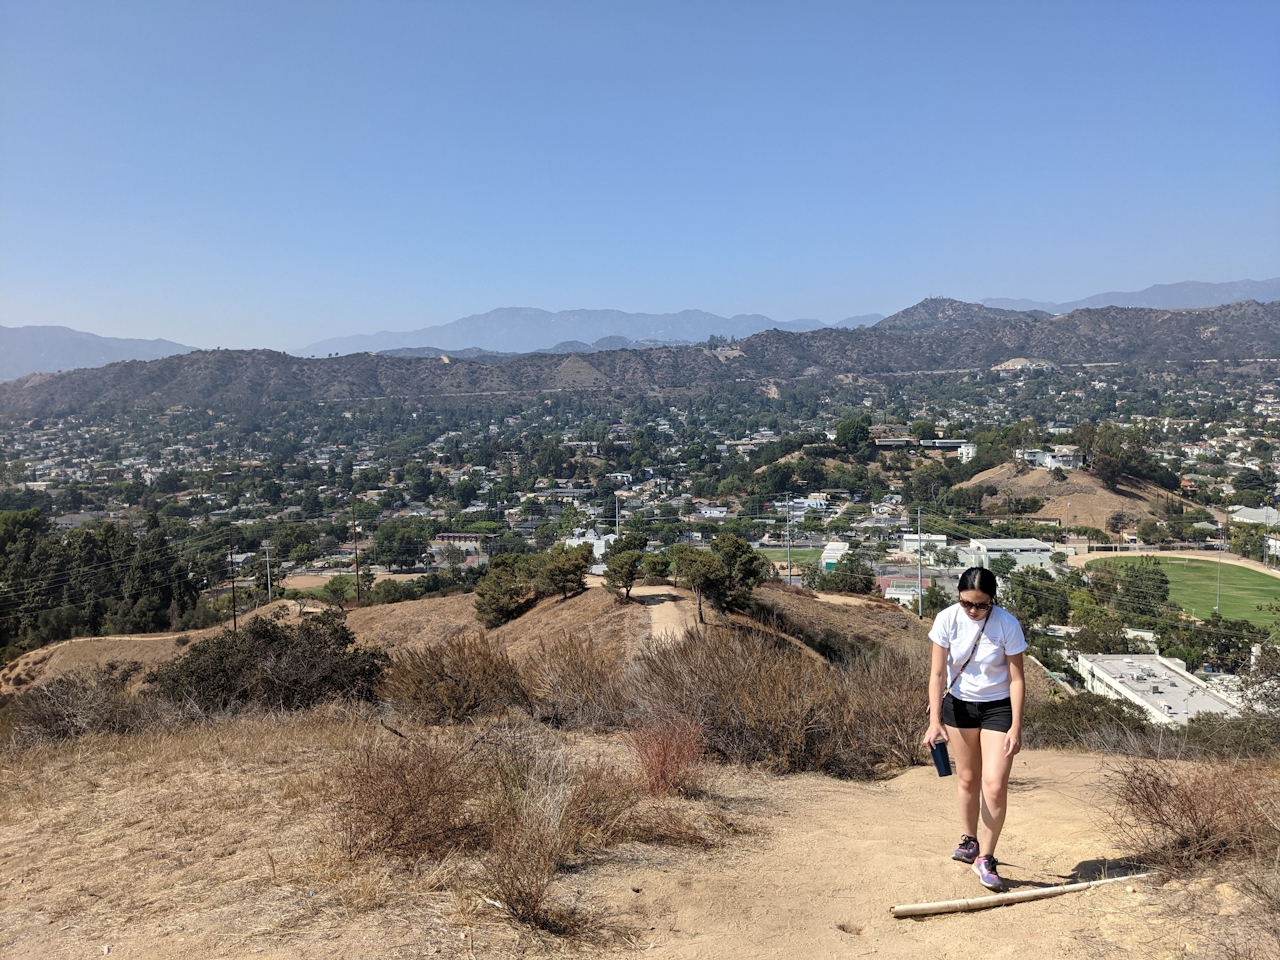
[
  {"x": 1081, "y": 501},
  {"x": 934, "y": 335}
]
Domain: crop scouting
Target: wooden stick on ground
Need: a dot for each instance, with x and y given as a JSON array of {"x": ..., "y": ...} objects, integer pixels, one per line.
[{"x": 1001, "y": 899}]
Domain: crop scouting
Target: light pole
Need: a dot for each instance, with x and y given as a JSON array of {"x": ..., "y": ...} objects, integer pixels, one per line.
[{"x": 1222, "y": 545}]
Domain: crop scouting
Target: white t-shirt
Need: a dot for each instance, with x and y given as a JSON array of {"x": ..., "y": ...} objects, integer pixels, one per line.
[{"x": 985, "y": 677}]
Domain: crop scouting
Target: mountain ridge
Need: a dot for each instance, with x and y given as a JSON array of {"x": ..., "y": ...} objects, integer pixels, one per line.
[
  {"x": 912, "y": 343},
  {"x": 528, "y": 329},
  {"x": 1187, "y": 295},
  {"x": 46, "y": 349}
]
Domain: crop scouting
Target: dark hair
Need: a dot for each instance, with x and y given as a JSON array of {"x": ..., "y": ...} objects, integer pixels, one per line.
[{"x": 978, "y": 578}]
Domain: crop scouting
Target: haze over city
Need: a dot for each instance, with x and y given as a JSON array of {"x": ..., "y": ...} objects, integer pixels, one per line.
[{"x": 246, "y": 175}]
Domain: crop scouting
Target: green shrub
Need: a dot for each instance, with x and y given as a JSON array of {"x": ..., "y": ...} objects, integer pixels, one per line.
[
  {"x": 271, "y": 664},
  {"x": 1078, "y": 721}
]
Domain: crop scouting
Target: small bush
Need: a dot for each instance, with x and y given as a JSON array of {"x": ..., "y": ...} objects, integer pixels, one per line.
[
  {"x": 465, "y": 677},
  {"x": 1176, "y": 813},
  {"x": 574, "y": 683},
  {"x": 669, "y": 752},
  {"x": 273, "y": 665},
  {"x": 410, "y": 801},
  {"x": 83, "y": 702}
]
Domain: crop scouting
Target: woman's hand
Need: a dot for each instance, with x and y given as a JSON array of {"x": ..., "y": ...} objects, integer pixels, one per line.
[
  {"x": 935, "y": 733},
  {"x": 1012, "y": 742}
]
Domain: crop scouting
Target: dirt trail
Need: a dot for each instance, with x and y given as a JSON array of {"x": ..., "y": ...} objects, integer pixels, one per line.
[
  {"x": 839, "y": 855},
  {"x": 671, "y": 611}
]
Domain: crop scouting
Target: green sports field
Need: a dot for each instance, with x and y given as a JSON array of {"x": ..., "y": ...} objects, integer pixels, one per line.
[
  {"x": 797, "y": 556},
  {"x": 1193, "y": 585}
]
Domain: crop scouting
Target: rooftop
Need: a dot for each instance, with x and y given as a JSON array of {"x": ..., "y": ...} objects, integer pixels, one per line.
[{"x": 1162, "y": 687}]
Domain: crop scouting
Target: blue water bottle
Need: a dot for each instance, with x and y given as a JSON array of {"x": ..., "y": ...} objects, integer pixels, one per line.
[{"x": 940, "y": 759}]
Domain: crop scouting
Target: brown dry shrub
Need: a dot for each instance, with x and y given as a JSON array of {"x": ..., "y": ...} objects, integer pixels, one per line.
[
  {"x": 762, "y": 701},
  {"x": 411, "y": 801},
  {"x": 464, "y": 677},
  {"x": 1176, "y": 814},
  {"x": 575, "y": 683},
  {"x": 88, "y": 701},
  {"x": 670, "y": 754}
]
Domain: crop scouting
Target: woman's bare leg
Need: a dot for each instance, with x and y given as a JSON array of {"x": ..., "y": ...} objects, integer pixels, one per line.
[
  {"x": 966, "y": 747},
  {"x": 994, "y": 767}
]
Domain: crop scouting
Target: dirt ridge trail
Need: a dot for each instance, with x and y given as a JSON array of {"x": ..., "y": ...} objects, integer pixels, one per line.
[{"x": 836, "y": 856}]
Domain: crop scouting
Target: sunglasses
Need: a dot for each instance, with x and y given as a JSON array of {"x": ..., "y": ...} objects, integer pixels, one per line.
[{"x": 976, "y": 606}]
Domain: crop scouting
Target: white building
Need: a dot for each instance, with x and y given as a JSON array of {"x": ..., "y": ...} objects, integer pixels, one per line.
[
  {"x": 966, "y": 452},
  {"x": 1162, "y": 687},
  {"x": 1027, "y": 552},
  {"x": 598, "y": 544},
  {"x": 1065, "y": 456},
  {"x": 832, "y": 553},
  {"x": 931, "y": 542}
]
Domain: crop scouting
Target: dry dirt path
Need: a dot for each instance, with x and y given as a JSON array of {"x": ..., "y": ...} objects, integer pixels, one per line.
[
  {"x": 837, "y": 856},
  {"x": 671, "y": 611}
]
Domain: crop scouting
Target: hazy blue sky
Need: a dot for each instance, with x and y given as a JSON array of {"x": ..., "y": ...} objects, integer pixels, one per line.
[{"x": 268, "y": 174}]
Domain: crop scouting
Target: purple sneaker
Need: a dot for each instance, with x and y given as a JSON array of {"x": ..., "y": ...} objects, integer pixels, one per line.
[
  {"x": 967, "y": 852},
  {"x": 985, "y": 868}
]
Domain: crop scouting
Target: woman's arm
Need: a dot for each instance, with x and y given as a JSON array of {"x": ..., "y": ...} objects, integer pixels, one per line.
[
  {"x": 937, "y": 687},
  {"x": 1017, "y": 695}
]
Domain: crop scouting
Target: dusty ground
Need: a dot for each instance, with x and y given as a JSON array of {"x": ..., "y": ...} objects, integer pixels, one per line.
[{"x": 208, "y": 844}]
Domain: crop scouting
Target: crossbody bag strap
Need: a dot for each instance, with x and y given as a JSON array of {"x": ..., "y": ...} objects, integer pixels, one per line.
[{"x": 976, "y": 640}]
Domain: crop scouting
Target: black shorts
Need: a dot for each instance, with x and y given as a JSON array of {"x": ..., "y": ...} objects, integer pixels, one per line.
[{"x": 996, "y": 715}]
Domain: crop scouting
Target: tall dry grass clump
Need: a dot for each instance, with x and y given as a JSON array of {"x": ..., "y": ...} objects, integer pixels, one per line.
[
  {"x": 464, "y": 677},
  {"x": 411, "y": 801},
  {"x": 670, "y": 754},
  {"x": 573, "y": 682},
  {"x": 510, "y": 799}
]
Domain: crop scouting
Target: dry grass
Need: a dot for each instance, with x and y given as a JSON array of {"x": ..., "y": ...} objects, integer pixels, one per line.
[
  {"x": 213, "y": 828},
  {"x": 762, "y": 701}
]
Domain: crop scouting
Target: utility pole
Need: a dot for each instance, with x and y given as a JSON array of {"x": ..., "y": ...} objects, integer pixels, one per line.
[
  {"x": 267, "y": 548},
  {"x": 355, "y": 548},
  {"x": 1221, "y": 547},
  {"x": 788, "y": 539},
  {"x": 919, "y": 569},
  {"x": 617, "y": 517},
  {"x": 231, "y": 568}
]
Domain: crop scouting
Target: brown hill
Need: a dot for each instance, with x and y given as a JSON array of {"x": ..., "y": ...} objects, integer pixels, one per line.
[
  {"x": 937, "y": 334},
  {"x": 1081, "y": 501}
]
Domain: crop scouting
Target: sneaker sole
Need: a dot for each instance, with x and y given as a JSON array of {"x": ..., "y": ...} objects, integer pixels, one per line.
[
  {"x": 962, "y": 859},
  {"x": 998, "y": 888}
]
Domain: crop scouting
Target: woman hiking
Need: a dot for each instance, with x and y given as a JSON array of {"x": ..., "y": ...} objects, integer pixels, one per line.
[{"x": 976, "y": 691}]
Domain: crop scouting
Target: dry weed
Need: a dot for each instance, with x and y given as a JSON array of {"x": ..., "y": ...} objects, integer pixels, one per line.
[
  {"x": 762, "y": 701},
  {"x": 670, "y": 754},
  {"x": 410, "y": 801},
  {"x": 1176, "y": 814}
]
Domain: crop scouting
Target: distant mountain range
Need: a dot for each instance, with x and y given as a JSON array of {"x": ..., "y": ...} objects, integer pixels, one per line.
[
  {"x": 933, "y": 336},
  {"x": 26, "y": 350},
  {"x": 499, "y": 336},
  {"x": 528, "y": 329},
  {"x": 1190, "y": 294}
]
